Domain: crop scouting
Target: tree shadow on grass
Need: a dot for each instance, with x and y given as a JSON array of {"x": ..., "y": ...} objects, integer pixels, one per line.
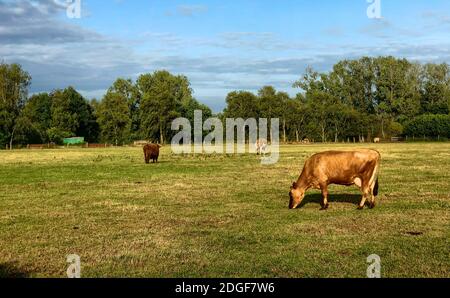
[
  {"x": 10, "y": 270},
  {"x": 339, "y": 198}
]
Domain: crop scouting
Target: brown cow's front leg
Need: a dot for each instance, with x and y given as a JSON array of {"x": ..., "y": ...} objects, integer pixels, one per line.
[{"x": 324, "y": 204}]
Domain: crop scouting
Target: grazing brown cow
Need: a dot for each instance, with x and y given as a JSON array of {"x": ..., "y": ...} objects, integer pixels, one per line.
[
  {"x": 151, "y": 151},
  {"x": 358, "y": 168}
]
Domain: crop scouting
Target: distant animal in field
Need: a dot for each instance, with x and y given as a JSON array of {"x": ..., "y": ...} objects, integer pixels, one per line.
[
  {"x": 358, "y": 168},
  {"x": 140, "y": 143},
  {"x": 376, "y": 140},
  {"x": 306, "y": 141},
  {"x": 261, "y": 146},
  {"x": 151, "y": 152}
]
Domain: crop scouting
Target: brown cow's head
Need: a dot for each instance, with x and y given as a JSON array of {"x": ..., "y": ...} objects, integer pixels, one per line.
[
  {"x": 296, "y": 196},
  {"x": 146, "y": 154},
  {"x": 147, "y": 157}
]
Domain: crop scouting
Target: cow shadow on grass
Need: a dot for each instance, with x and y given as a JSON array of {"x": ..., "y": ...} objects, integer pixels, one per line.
[
  {"x": 154, "y": 164},
  {"x": 354, "y": 199},
  {"x": 10, "y": 270}
]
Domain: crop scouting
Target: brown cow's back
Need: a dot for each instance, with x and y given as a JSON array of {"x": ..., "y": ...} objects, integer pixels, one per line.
[{"x": 341, "y": 167}]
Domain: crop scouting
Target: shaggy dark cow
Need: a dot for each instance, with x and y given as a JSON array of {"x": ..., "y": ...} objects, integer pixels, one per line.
[{"x": 151, "y": 151}]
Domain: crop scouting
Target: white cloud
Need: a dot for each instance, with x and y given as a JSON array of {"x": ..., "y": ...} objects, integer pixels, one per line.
[{"x": 59, "y": 54}]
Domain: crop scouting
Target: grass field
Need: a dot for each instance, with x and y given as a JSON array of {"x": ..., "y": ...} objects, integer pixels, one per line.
[{"x": 218, "y": 216}]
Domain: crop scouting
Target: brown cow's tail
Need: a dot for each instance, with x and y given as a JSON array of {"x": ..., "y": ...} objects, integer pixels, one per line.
[{"x": 375, "y": 189}]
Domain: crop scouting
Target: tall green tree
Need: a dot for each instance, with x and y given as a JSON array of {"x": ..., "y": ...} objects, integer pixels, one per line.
[
  {"x": 397, "y": 90},
  {"x": 242, "y": 104},
  {"x": 72, "y": 116},
  {"x": 162, "y": 95},
  {"x": 114, "y": 118},
  {"x": 435, "y": 91},
  {"x": 36, "y": 118},
  {"x": 273, "y": 104},
  {"x": 130, "y": 91},
  {"x": 14, "y": 83},
  {"x": 352, "y": 81},
  {"x": 296, "y": 119},
  {"x": 318, "y": 99}
]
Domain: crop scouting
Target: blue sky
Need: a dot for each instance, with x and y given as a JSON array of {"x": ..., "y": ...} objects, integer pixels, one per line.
[{"x": 220, "y": 45}]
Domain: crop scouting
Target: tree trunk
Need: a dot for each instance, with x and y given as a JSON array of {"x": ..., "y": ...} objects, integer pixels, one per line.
[
  {"x": 116, "y": 136},
  {"x": 297, "y": 135},
  {"x": 270, "y": 134},
  {"x": 336, "y": 134},
  {"x": 11, "y": 139},
  {"x": 323, "y": 134},
  {"x": 382, "y": 128},
  {"x": 284, "y": 130},
  {"x": 161, "y": 136}
]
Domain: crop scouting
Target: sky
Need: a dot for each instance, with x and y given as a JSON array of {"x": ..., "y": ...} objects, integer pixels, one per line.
[{"x": 220, "y": 46}]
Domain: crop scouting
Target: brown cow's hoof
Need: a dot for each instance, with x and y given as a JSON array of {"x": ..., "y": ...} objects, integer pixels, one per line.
[
  {"x": 360, "y": 208},
  {"x": 325, "y": 207},
  {"x": 371, "y": 205}
]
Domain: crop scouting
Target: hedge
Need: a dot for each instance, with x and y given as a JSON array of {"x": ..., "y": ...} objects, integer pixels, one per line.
[{"x": 429, "y": 125}]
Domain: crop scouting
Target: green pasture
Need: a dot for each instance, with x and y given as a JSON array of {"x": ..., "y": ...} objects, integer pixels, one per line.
[{"x": 218, "y": 215}]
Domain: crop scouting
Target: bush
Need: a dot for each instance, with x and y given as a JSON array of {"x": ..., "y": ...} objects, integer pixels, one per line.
[
  {"x": 56, "y": 135},
  {"x": 395, "y": 129},
  {"x": 429, "y": 125}
]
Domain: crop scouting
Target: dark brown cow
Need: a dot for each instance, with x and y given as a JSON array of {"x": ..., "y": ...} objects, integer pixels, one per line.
[
  {"x": 151, "y": 151},
  {"x": 359, "y": 168}
]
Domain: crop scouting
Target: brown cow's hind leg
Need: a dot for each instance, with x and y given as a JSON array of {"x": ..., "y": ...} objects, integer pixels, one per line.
[
  {"x": 366, "y": 194},
  {"x": 372, "y": 196},
  {"x": 365, "y": 188},
  {"x": 373, "y": 191}
]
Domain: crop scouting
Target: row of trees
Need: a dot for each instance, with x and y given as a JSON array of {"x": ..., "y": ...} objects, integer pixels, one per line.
[
  {"x": 356, "y": 100},
  {"x": 145, "y": 109},
  {"x": 129, "y": 110}
]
